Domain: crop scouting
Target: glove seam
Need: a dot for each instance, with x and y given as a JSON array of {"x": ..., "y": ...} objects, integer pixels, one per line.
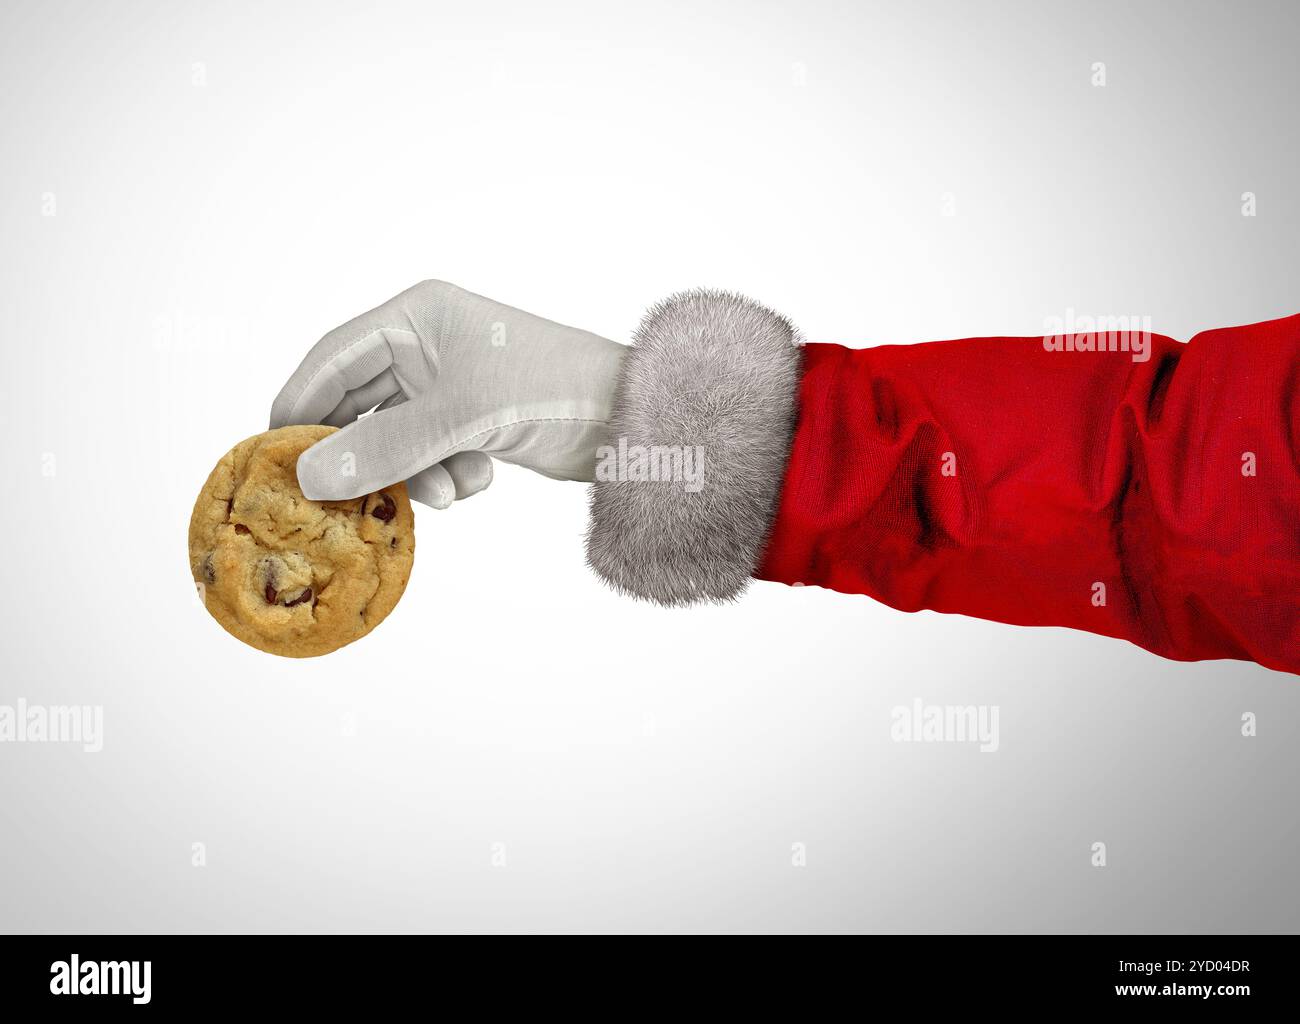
[{"x": 459, "y": 446}]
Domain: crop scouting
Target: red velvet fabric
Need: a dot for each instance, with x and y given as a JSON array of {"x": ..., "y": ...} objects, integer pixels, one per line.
[{"x": 995, "y": 478}]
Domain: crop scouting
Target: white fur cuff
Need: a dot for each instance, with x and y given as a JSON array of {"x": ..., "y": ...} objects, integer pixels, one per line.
[{"x": 699, "y": 437}]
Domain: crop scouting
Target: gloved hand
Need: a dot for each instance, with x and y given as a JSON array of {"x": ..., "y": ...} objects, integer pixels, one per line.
[{"x": 457, "y": 378}]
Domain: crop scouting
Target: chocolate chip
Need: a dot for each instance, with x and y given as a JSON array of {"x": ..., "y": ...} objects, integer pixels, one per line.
[
  {"x": 271, "y": 595},
  {"x": 241, "y": 528},
  {"x": 386, "y": 512},
  {"x": 393, "y": 543},
  {"x": 300, "y": 599}
]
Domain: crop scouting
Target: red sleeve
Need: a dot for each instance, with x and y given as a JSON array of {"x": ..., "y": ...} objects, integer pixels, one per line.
[{"x": 1156, "y": 499}]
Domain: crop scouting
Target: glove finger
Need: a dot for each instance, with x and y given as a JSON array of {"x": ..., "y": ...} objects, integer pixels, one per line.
[
  {"x": 432, "y": 487},
  {"x": 470, "y": 471},
  {"x": 373, "y": 452},
  {"x": 363, "y": 399},
  {"x": 340, "y": 361}
]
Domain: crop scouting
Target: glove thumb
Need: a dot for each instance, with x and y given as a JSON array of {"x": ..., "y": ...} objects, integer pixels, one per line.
[{"x": 374, "y": 452}]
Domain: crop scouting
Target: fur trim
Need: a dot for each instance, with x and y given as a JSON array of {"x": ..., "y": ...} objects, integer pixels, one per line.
[{"x": 706, "y": 397}]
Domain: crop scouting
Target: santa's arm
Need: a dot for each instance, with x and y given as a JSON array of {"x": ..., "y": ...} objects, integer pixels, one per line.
[{"x": 1150, "y": 491}]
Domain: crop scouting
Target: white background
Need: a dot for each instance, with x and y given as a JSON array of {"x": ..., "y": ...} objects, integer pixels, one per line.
[{"x": 229, "y": 181}]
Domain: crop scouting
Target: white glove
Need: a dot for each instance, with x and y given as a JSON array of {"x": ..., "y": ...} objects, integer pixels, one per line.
[{"x": 457, "y": 378}]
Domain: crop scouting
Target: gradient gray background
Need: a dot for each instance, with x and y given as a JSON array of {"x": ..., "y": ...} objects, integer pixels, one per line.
[{"x": 233, "y": 180}]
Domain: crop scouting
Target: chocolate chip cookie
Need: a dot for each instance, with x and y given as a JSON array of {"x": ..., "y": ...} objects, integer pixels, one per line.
[{"x": 288, "y": 575}]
